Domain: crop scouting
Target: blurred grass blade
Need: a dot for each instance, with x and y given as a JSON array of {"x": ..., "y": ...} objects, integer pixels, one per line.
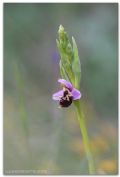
[{"x": 20, "y": 90}]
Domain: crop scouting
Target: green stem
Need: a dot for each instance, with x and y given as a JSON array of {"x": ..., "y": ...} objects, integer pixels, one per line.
[{"x": 84, "y": 133}]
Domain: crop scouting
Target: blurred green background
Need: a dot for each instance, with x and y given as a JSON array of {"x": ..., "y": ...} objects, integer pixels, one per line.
[{"x": 37, "y": 135}]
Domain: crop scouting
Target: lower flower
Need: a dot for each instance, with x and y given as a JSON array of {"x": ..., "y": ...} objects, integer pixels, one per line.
[{"x": 67, "y": 94}]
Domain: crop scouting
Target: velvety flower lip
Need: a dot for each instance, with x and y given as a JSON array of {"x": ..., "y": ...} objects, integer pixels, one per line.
[{"x": 67, "y": 94}]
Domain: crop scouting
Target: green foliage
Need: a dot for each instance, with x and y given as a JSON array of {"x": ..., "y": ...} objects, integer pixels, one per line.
[
  {"x": 76, "y": 64},
  {"x": 69, "y": 59}
]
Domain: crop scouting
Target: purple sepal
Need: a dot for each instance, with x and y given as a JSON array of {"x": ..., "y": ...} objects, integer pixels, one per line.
[
  {"x": 57, "y": 95},
  {"x": 76, "y": 94},
  {"x": 66, "y": 84}
]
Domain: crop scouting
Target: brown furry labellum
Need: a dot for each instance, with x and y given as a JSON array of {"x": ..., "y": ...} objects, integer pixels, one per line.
[{"x": 66, "y": 99}]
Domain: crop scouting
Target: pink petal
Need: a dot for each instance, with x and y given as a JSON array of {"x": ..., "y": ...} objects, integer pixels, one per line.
[
  {"x": 76, "y": 94},
  {"x": 66, "y": 84},
  {"x": 57, "y": 95}
]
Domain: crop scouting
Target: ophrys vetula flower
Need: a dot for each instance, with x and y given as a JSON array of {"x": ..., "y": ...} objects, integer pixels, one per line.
[{"x": 67, "y": 94}]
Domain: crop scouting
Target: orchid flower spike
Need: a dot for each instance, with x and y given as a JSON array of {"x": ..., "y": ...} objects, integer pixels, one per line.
[{"x": 67, "y": 94}]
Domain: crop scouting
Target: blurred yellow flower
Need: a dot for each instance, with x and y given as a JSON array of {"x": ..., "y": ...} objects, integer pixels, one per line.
[
  {"x": 98, "y": 145},
  {"x": 108, "y": 166}
]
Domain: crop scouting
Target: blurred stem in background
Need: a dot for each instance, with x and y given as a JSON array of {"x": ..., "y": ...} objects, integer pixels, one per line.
[
  {"x": 20, "y": 89},
  {"x": 23, "y": 114},
  {"x": 70, "y": 70}
]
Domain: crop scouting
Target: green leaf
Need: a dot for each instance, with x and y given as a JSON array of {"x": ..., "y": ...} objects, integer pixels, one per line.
[
  {"x": 63, "y": 73},
  {"x": 76, "y": 66}
]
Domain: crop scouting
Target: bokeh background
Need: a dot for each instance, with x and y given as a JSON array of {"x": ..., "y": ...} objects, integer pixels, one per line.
[{"x": 37, "y": 135}]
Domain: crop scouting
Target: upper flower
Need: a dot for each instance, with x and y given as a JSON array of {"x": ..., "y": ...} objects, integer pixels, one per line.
[{"x": 67, "y": 94}]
